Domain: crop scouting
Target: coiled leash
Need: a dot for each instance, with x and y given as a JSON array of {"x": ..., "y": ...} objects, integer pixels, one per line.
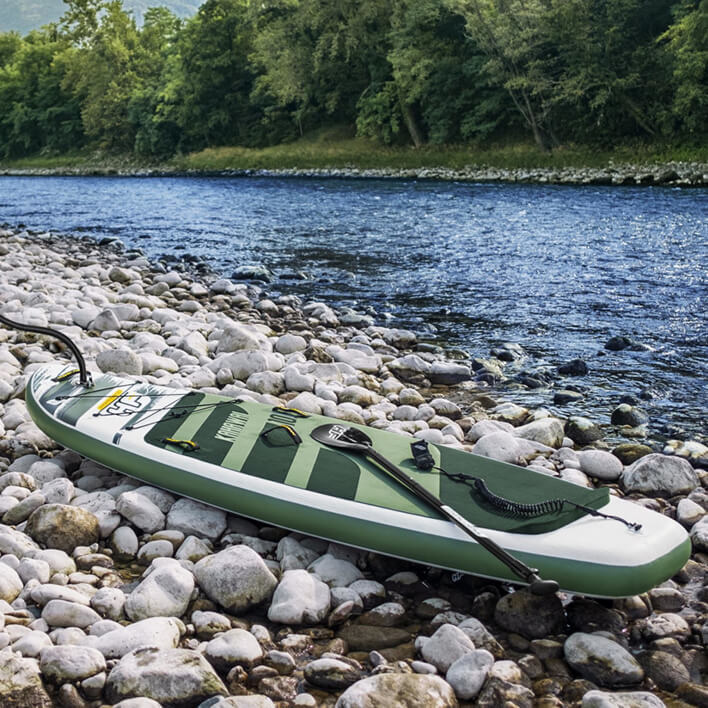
[{"x": 424, "y": 461}]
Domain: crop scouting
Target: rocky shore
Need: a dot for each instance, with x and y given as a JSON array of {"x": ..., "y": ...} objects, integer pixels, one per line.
[
  {"x": 674, "y": 174},
  {"x": 116, "y": 593}
]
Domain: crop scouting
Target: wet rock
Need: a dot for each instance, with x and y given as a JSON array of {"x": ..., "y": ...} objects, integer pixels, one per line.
[
  {"x": 660, "y": 474},
  {"x": 532, "y": 616},
  {"x": 560, "y": 398},
  {"x": 399, "y": 691},
  {"x": 173, "y": 677},
  {"x": 299, "y": 598},
  {"x": 234, "y": 647},
  {"x": 601, "y": 660},
  {"x": 627, "y": 453},
  {"x": 664, "y": 669},
  {"x": 70, "y": 663},
  {"x": 331, "y": 673},
  {"x": 166, "y": 592},
  {"x": 625, "y": 414},
  {"x": 236, "y": 578},
  {"x": 582, "y": 430},
  {"x": 63, "y": 527},
  {"x": 574, "y": 367},
  {"x": 667, "y": 624},
  {"x": 361, "y": 637}
]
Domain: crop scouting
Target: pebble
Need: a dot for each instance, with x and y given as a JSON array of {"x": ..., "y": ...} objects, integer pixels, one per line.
[{"x": 76, "y": 598}]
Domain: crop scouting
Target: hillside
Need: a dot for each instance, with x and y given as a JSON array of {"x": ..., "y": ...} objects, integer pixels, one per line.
[{"x": 26, "y": 15}]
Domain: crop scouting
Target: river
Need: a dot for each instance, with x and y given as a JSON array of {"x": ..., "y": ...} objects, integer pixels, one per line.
[{"x": 558, "y": 269}]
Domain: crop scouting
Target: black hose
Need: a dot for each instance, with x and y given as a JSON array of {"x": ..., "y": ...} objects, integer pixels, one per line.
[{"x": 84, "y": 375}]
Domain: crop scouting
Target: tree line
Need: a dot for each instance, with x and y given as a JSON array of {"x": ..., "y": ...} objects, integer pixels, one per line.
[{"x": 402, "y": 71}]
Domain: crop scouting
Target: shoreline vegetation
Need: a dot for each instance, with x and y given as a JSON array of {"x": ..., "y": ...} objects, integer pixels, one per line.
[{"x": 324, "y": 155}]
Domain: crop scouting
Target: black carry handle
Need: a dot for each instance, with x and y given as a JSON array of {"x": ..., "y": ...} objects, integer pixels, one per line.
[
  {"x": 84, "y": 375},
  {"x": 355, "y": 440}
]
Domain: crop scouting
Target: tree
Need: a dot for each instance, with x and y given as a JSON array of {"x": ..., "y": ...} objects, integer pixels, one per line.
[{"x": 687, "y": 44}]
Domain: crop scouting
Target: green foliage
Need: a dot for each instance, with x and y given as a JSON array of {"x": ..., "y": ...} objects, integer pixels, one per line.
[{"x": 402, "y": 72}]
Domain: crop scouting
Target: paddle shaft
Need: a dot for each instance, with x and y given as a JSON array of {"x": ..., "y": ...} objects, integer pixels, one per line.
[{"x": 530, "y": 575}]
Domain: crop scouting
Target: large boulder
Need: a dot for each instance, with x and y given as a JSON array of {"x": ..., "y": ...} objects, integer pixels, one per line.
[{"x": 63, "y": 527}]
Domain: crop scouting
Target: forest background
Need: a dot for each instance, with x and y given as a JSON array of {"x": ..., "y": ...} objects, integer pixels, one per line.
[{"x": 423, "y": 74}]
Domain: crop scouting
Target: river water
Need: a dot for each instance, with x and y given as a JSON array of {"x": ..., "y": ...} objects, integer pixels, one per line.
[{"x": 558, "y": 269}]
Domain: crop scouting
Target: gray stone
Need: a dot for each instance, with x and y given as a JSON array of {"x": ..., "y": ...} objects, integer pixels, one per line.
[
  {"x": 165, "y": 592},
  {"x": 446, "y": 646},
  {"x": 172, "y": 677},
  {"x": 331, "y": 673},
  {"x": 161, "y": 632},
  {"x": 601, "y": 660},
  {"x": 582, "y": 430},
  {"x": 532, "y": 616},
  {"x": 196, "y": 519},
  {"x": 699, "y": 535},
  {"x": 299, "y": 598},
  {"x": 399, "y": 691},
  {"x": 120, "y": 361},
  {"x": 140, "y": 511},
  {"x": 335, "y": 571},
  {"x": 236, "y": 578},
  {"x": 600, "y": 464},
  {"x": 467, "y": 674},
  {"x": 660, "y": 474},
  {"x": 548, "y": 431},
  {"x": 625, "y": 699}
]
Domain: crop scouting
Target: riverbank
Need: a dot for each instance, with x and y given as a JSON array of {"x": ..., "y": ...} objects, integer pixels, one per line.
[
  {"x": 323, "y": 156},
  {"x": 142, "y": 568}
]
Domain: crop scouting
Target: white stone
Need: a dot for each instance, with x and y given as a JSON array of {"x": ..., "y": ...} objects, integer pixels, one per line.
[
  {"x": 236, "y": 646},
  {"x": 140, "y": 511},
  {"x": 446, "y": 646},
  {"x": 299, "y": 598},
  {"x": 236, "y": 578},
  {"x": 10, "y": 583},
  {"x": 335, "y": 571},
  {"x": 120, "y": 361},
  {"x": 60, "y": 613},
  {"x": 621, "y": 699},
  {"x": 165, "y": 592},
  {"x": 71, "y": 663},
  {"x": 656, "y": 473},
  {"x": 161, "y": 632}
]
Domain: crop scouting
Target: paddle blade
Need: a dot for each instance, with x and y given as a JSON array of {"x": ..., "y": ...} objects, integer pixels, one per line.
[{"x": 342, "y": 436}]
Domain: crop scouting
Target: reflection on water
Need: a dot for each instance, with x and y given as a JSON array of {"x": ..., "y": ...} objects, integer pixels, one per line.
[{"x": 557, "y": 269}]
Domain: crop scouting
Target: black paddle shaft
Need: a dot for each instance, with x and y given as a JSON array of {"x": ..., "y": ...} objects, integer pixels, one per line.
[{"x": 357, "y": 441}]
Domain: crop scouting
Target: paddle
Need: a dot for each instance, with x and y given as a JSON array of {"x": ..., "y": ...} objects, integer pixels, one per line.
[{"x": 355, "y": 440}]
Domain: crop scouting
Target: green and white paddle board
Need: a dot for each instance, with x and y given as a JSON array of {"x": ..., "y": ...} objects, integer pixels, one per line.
[{"x": 261, "y": 462}]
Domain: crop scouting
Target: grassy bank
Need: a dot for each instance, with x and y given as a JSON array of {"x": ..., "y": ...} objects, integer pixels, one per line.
[{"x": 327, "y": 149}]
